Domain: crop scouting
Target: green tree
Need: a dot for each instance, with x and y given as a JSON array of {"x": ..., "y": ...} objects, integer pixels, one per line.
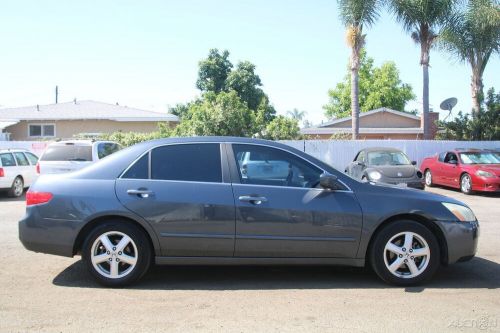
[
  {"x": 356, "y": 14},
  {"x": 484, "y": 126},
  {"x": 378, "y": 87},
  {"x": 213, "y": 71},
  {"x": 422, "y": 19},
  {"x": 246, "y": 83},
  {"x": 472, "y": 36},
  {"x": 282, "y": 128},
  {"x": 296, "y": 114}
]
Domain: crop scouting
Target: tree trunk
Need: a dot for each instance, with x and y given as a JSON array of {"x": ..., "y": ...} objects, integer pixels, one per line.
[
  {"x": 355, "y": 102},
  {"x": 425, "y": 97},
  {"x": 477, "y": 91}
]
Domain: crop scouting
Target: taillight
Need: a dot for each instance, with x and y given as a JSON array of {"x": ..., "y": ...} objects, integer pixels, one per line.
[
  {"x": 38, "y": 168},
  {"x": 37, "y": 198},
  {"x": 2, "y": 174}
]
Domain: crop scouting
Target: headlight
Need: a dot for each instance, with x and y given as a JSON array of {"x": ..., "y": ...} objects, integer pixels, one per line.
[
  {"x": 462, "y": 213},
  {"x": 374, "y": 175},
  {"x": 482, "y": 173}
]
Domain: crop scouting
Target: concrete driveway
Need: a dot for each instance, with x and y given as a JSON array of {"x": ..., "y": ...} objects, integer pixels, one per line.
[{"x": 43, "y": 293}]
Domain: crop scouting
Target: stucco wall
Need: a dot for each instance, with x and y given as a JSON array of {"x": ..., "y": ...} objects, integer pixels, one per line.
[
  {"x": 381, "y": 120},
  {"x": 371, "y": 136},
  {"x": 66, "y": 129}
]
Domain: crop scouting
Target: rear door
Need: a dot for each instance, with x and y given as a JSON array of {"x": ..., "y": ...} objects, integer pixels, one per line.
[
  {"x": 286, "y": 215},
  {"x": 23, "y": 167},
  {"x": 183, "y": 191}
]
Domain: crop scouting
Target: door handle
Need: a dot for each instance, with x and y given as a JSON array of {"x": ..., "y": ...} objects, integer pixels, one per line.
[
  {"x": 141, "y": 193},
  {"x": 256, "y": 200}
]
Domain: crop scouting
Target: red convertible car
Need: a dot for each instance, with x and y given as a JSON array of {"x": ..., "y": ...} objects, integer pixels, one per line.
[{"x": 468, "y": 169}]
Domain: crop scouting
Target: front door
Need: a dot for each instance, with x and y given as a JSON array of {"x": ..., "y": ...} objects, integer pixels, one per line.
[
  {"x": 179, "y": 189},
  {"x": 450, "y": 171},
  {"x": 282, "y": 212}
]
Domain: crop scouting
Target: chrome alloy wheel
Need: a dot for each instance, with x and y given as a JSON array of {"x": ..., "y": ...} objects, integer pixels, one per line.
[
  {"x": 18, "y": 187},
  {"x": 114, "y": 254},
  {"x": 406, "y": 255},
  {"x": 428, "y": 178},
  {"x": 466, "y": 184}
]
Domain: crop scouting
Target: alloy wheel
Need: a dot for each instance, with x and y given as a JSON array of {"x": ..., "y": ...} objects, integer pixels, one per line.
[
  {"x": 406, "y": 255},
  {"x": 428, "y": 178},
  {"x": 465, "y": 184},
  {"x": 18, "y": 187}
]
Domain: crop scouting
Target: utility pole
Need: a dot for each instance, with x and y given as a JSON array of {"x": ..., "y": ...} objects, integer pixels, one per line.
[{"x": 57, "y": 93}]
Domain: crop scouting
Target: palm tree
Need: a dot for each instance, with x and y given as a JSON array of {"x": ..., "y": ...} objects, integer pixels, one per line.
[
  {"x": 296, "y": 114},
  {"x": 423, "y": 19},
  {"x": 355, "y": 14},
  {"x": 472, "y": 36}
]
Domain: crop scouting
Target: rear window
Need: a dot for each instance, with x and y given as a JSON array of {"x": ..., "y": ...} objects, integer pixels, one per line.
[
  {"x": 7, "y": 160},
  {"x": 67, "y": 153}
]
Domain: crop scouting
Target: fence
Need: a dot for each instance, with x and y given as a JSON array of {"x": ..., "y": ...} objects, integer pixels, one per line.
[
  {"x": 340, "y": 153},
  {"x": 36, "y": 147}
]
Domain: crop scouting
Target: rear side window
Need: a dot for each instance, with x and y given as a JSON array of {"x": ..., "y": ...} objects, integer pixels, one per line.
[
  {"x": 21, "y": 159},
  {"x": 107, "y": 148},
  {"x": 32, "y": 157},
  {"x": 7, "y": 160},
  {"x": 67, "y": 153},
  {"x": 139, "y": 170},
  {"x": 187, "y": 162}
]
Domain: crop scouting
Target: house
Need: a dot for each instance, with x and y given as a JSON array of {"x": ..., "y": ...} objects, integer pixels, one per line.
[
  {"x": 382, "y": 123},
  {"x": 64, "y": 120}
]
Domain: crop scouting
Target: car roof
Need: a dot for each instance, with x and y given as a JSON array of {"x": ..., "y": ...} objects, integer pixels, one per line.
[
  {"x": 14, "y": 150},
  {"x": 78, "y": 142}
]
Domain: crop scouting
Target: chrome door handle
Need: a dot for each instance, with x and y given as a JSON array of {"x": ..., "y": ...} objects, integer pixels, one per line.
[
  {"x": 141, "y": 193},
  {"x": 253, "y": 199}
]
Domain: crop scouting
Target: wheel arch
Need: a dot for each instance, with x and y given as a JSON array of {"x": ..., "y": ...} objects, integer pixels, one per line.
[
  {"x": 433, "y": 227},
  {"x": 90, "y": 225}
]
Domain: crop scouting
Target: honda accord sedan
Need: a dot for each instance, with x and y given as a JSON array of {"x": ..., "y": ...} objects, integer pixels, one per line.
[{"x": 198, "y": 201}]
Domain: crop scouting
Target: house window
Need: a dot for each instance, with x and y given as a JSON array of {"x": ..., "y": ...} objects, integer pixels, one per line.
[{"x": 42, "y": 130}]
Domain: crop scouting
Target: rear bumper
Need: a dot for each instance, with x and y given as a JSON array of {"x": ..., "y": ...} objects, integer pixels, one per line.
[
  {"x": 462, "y": 239},
  {"x": 51, "y": 236}
]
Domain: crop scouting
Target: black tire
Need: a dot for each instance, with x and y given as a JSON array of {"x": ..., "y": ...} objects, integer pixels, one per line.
[
  {"x": 17, "y": 188},
  {"x": 466, "y": 189},
  {"x": 142, "y": 252},
  {"x": 428, "y": 178},
  {"x": 380, "y": 258}
]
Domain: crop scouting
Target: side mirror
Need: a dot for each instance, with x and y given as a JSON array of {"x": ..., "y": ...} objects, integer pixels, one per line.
[
  {"x": 329, "y": 182},
  {"x": 413, "y": 162}
]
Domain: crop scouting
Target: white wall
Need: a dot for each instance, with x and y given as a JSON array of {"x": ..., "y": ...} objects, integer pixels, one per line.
[
  {"x": 36, "y": 147},
  {"x": 340, "y": 153}
]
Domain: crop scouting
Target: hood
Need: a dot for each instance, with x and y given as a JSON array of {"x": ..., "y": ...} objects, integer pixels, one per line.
[
  {"x": 396, "y": 171},
  {"x": 492, "y": 168}
]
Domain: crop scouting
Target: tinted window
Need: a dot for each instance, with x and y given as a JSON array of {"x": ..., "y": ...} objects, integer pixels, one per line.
[
  {"x": 450, "y": 157},
  {"x": 21, "y": 159},
  {"x": 32, "y": 157},
  {"x": 140, "y": 169},
  {"x": 269, "y": 166},
  {"x": 105, "y": 149},
  {"x": 188, "y": 162},
  {"x": 7, "y": 160},
  {"x": 67, "y": 153}
]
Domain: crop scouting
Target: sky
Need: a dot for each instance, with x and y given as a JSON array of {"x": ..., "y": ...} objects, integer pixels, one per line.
[{"x": 145, "y": 53}]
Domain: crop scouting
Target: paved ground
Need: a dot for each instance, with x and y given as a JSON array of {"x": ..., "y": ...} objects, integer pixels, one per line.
[{"x": 43, "y": 293}]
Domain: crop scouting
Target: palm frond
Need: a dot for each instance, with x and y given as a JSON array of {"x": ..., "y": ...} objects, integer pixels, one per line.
[{"x": 359, "y": 12}]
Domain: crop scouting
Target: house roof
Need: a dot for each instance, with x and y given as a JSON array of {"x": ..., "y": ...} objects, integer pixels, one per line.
[
  {"x": 368, "y": 113},
  {"x": 362, "y": 130},
  {"x": 83, "y": 110}
]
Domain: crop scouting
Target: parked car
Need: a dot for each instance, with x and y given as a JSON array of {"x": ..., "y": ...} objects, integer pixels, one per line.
[
  {"x": 17, "y": 171},
  {"x": 186, "y": 201},
  {"x": 385, "y": 165},
  {"x": 67, "y": 156},
  {"x": 468, "y": 169}
]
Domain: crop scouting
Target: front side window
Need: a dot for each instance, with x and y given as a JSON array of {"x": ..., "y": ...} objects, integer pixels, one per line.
[
  {"x": 21, "y": 159},
  {"x": 361, "y": 157},
  {"x": 260, "y": 165},
  {"x": 7, "y": 160},
  {"x": 187, "y": 162},
  {"x": 451, "y": 158},
  {"x": 106, "y": 148},
  {"x": 41, "y": 130}
]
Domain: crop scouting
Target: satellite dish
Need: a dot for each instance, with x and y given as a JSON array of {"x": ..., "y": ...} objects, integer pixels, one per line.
[{"x": 448, "y": 104}]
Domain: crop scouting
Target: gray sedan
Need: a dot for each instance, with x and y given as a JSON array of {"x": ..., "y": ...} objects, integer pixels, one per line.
[{"x": 188, "y": 201}]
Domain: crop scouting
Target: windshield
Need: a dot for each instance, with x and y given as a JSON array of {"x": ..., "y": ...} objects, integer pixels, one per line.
[
  {"x": 387, "y": 158},
  {"x": 67, "y": 153},
  {"x": 480, "y": 158}
]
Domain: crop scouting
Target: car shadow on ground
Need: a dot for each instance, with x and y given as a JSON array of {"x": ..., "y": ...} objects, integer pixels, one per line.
[
  {"x": 5, "y": 198},
  {"x": 477, "y": 273}
]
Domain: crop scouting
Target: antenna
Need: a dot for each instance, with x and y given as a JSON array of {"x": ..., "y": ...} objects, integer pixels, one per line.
[{"x": 448, "y": 104}]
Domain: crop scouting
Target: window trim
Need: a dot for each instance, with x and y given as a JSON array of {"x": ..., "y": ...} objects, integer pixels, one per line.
[{"x": 41, "y": 130}]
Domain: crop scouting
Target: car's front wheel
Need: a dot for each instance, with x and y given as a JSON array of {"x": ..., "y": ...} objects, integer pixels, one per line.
[
  {"x": 466, "y": 184},
  {"x": 117, "y": 253},
  {"x": 428, "y": 178},
  {"x": 405, "y": 253}
]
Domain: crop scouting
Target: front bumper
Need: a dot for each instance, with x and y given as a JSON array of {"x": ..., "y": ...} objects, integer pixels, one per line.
[
  {"x": 51, "y": 236},
  {"x": 462, "y": 239},
  {"x": 486, "y": 185}
]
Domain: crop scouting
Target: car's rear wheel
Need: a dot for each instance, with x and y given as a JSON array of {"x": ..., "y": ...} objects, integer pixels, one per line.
[
  {"x": 405, "y": 253},
  {"x": 428, "y": 178},
  {"x": 466, "y": 184},
  {"x": 117, "y": 253},
  {"x": 17, "y": 188}
]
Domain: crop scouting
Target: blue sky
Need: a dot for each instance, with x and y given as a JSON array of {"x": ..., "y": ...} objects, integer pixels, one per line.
[{"x": 145, "y": 53}]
